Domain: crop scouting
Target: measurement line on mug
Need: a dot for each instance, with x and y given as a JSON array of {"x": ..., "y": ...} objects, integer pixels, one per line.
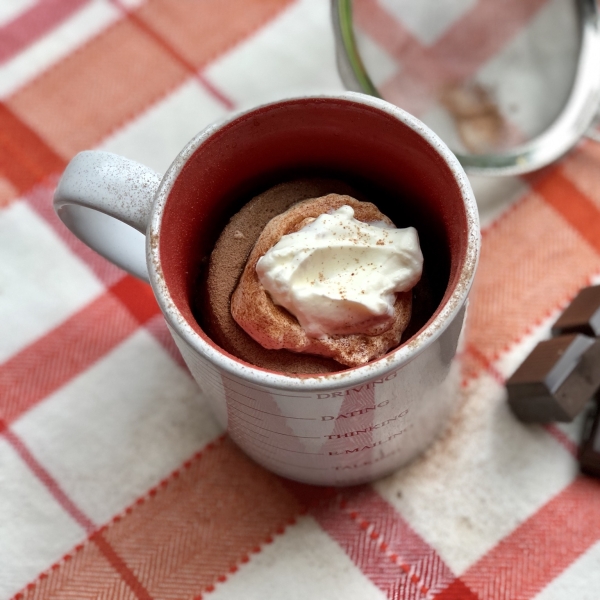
[{"x": 305, "y": 437}]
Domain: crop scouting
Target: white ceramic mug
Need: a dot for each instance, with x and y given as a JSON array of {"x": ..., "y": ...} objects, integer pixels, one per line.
[{"x": 340, "y": 428}]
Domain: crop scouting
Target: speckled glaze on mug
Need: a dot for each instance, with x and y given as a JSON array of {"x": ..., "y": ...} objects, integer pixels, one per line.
[{"x": 340, "y": 428}]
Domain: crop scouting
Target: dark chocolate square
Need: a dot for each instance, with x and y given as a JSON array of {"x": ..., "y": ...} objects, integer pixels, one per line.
[
  {"x": 556, "y": 380},
  {"x": 582, "y": 315},
  {"x": 589, "y": 449}
]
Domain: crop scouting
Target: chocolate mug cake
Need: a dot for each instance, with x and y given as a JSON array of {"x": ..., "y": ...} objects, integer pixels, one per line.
[{"x": 238, "y": 312}]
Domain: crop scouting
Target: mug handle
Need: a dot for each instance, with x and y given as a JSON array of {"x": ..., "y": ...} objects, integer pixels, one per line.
[{"x": 106, "y": 200}]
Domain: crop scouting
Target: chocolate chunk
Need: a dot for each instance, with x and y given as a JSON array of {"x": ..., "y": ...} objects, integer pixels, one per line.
[
  {"x": 589, "y": 450},
  {"x": 556, "y": 380},
  {"x": 582, "y": 315}
]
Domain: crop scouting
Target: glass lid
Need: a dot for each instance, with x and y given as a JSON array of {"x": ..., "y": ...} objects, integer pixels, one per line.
[{"x": 509, "y": 86}]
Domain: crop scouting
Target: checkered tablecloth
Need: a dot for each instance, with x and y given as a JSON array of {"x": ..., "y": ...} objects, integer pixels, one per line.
[{"x": 115, "y": 480}]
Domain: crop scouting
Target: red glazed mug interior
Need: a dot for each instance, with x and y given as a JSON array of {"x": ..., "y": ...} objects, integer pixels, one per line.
[{"x": 390, "y": 162}]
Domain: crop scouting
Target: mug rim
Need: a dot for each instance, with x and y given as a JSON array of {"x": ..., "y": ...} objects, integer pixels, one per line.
[{"x": 378, "y": 368}]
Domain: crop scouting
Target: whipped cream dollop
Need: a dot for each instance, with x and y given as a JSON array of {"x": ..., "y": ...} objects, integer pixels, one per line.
[{"x": 339, "y": 276}]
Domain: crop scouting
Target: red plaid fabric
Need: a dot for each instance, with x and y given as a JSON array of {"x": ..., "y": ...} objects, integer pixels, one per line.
[{"x": 116, "y": 481}]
